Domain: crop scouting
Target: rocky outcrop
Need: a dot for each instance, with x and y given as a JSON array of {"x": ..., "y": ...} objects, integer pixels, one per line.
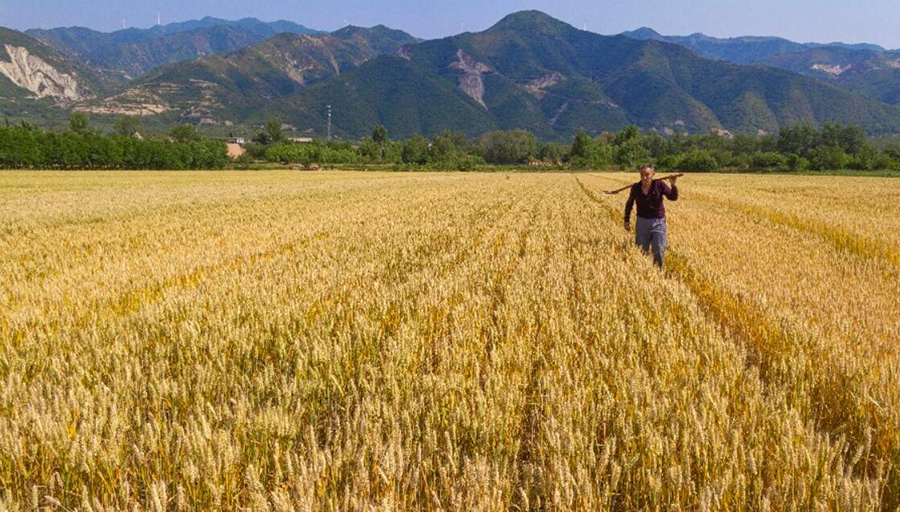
[
  {"x": 133, "y": 102},
  {"x": 831, "y": 69},
  {"x": 538, "y": 86},
  {"x": 32, "y": 73},
  {"x": 471, "y": 81}
]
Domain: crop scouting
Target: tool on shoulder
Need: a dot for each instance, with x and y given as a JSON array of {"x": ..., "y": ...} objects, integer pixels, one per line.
[{"x": 661, "y": 178}]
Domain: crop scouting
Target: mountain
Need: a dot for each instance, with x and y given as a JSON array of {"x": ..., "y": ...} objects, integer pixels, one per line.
[
  {"x": 31, "y": 70},
  {"x": 874, "y": 74},
  {"x": 740, "y": 50},
  {"x": 128, "y": 53},
  {"x": 856, "y": 46},
  {"x": 534, "y": 72},
  {"x": 528, "y": 71},
  {"x": 744, "y": 49},
  {"x": 865, "y": 69},
  {"x": 230, "y": 87},
  {"x": 406, "y": 97}
]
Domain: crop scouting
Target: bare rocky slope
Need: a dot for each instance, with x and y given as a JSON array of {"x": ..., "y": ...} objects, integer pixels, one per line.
[{"x": 32, "y": 70}]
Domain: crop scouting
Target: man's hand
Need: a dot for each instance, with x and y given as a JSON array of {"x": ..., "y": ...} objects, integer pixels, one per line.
[
  {"x": 672, "y": 180},
  {"x": 628, "y": 227}
]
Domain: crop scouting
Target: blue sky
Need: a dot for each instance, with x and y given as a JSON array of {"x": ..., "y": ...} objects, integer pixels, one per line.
[{"x": 873, "y": 21}]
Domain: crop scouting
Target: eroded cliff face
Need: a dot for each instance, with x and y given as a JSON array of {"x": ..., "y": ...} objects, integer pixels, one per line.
[
  {"x": 538, "y": 87},
  {"x": 470, "y": 78},
  {"x": 39, "y": 77}
]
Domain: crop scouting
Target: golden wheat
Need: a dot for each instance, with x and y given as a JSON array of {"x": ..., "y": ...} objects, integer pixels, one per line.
[{"x": 377, "y": 341}]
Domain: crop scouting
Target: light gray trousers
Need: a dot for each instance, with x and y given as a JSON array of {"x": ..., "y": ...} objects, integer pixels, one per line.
[{"x": 650, "y": 234}]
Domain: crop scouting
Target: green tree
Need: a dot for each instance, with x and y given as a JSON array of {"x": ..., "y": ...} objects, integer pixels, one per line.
[
  {"x": 512, "y": 147},
  {"x": 630, "y": 153},
  {"x": 629, "y": 147},
  {"x": 129, "y": 126},
  {"x": 655, "y": 144},
  {"x": 369, "y": 150},
  {"x": 448, "y": 146},
  {"x": 851, "y": 139},
  {"x": 551, "y": 152},
  {"x": 797, "y": 163},
  {"x": 272, "y": 132},
  {"x": 830, "y": 158},
  {"x": 702, "y": 161},
  {"x": 582, "y": 147},
  {"x": 415, "y": 150},
  {"x": 209, "y": 154},
  {"x": 380, "y": 137},
  {"x": 78, "y": 122},
  {"x": 801, "y": 140},
  {"x": 184, "y": 133},
  {"x": 627, "y": 134},
  {"x": 766, "y": 160}
]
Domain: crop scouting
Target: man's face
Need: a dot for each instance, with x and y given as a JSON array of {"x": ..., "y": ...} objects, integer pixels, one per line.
[{"x": 647, "y": 176}]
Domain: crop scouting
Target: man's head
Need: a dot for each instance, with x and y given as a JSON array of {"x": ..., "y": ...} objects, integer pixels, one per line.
[{"x": 647, "y": 174}]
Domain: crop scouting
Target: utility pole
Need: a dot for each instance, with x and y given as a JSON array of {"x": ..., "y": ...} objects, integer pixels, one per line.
[
  {"x": 158, "y": 20},
  {"x": 329, "y": 122}
]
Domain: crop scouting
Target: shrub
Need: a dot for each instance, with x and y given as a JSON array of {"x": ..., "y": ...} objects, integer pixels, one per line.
[
  {"x": 767, "y": 160},
  {"x": 701, "y": 161}
]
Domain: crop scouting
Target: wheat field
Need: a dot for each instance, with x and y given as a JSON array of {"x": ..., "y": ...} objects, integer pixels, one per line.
[{"x": 401, "y": 341}]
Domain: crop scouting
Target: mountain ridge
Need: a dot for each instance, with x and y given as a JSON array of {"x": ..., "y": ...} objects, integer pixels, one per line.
[
  {"x": 128, "y": 53},
  {"x": 243, "y": 80},
  {"x": 865, "y": 69},
  {"x": 527, "y": 71},
  {"x": 532, "y": 71}
]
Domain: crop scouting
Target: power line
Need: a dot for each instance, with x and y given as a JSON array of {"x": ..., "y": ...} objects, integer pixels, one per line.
[{"x": 329, "y": 122}]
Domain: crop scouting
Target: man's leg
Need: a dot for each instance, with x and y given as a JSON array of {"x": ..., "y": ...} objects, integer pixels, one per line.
[
  {"x": 642, "y": 234},
  {"x": 659, "y": 241}
]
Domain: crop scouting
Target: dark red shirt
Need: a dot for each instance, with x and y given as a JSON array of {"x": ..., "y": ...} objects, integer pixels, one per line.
[{"x": 650, "y": 206}]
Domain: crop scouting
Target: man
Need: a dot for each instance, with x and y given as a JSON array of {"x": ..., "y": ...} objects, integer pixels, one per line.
[{"x": 650, "y": 231}]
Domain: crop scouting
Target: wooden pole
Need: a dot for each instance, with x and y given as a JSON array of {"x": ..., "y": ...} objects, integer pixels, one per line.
[{"x": 661, "y": 178}]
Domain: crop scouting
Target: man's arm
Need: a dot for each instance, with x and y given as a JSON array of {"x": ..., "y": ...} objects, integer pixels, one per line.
[
  {"x": 670, "y": 193},
  {"x": 629, "y": 205}
]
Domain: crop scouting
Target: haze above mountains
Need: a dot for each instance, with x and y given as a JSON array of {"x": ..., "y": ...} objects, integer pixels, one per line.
[{"x": 528, "y": 71}]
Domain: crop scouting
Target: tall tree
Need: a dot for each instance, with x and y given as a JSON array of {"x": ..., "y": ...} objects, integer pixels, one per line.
[
  {"x": 415, "y": 150},
  {"x": 582, "y": 146},
  {"x": 128, "y": 126},
  {"x": 78, "y": 122},
  {"x": 272, "y": 132},
  {"x": 380, "y": 137},
  {"x": 184, "y": 133}
]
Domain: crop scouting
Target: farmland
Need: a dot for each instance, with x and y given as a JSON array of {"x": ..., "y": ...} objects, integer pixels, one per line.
[{"x": 404, "y": 341}]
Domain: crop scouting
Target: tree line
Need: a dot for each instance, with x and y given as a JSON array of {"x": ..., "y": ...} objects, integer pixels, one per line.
[
  {"x": 79, "y": 147},
  {"x": 793, "y": 148}
]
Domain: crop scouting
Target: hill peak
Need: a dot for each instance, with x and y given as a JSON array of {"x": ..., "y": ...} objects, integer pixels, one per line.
[
  {"x": 378, "y": 31},
  {"x": 644, "y": 33},
  {"x": 531, "y": 21}
]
